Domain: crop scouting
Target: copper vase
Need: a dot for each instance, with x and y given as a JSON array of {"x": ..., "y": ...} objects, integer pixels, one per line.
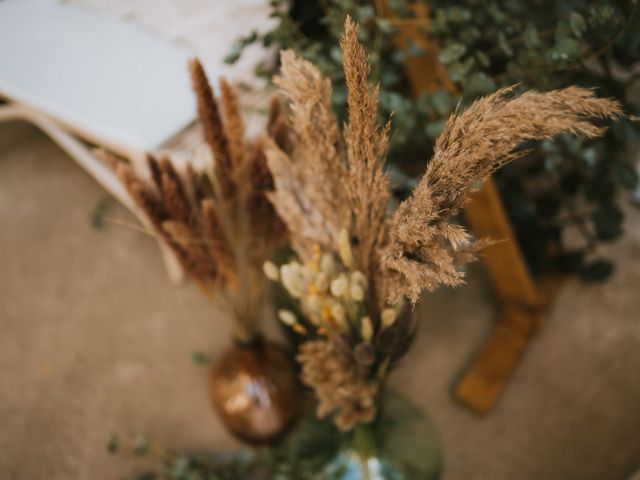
[{"x": 255, "y": 391}]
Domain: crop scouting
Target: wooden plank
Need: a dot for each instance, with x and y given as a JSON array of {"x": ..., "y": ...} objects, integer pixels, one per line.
[
  {"x": 504, "y": 260},
  {"x": 522, "y": 304},
  {"x": 492, "y": 367}
]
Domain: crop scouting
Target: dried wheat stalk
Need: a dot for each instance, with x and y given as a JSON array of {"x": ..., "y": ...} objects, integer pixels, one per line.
[
  {"x": 474, "y": 143},
  {"x": 218, "y": 222}
]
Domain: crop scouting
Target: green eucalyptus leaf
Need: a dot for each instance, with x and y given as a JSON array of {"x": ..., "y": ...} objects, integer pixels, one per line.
[
  {"x": 483, "y": 58},
  {"x": 442, "y": 101},
  {"x": 414, "y": 49},
  {"x": 530, "y": 36},
  {"x": 365, "y": 13},
  {"x": 451, "y": 53},
  {"x": 434, "y": 129},
  {"x": 384, "y": 25},
  {"x": 625, "y": 174},
  {"x": 479, "y": 83},
  {"x": 503, "y": 43},
  {"x": 577, "y": 23},
  {"x": 564, "y": 50},
  {"x": 607, "y": 221},
  {"x": 597, "y": 270}
]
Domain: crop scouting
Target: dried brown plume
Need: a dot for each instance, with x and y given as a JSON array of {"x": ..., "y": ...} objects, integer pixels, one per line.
[
  {"x": 423, "y": 248},
  {"x": 327, "y": 182},
  {"x": 342, "y": 388},
  {"x": 218, "y": 222}
]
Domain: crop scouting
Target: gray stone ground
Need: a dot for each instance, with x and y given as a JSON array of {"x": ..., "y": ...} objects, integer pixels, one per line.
[{"x": 95, "y": 339}]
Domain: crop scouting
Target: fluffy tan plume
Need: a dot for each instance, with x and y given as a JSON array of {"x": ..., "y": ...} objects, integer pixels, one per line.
[
  {"x": 367, "y": 182},
  {"x": 309, "y": 194},
  {"x": 474, "y": 143},
  {"x": 213, "y": 128}
]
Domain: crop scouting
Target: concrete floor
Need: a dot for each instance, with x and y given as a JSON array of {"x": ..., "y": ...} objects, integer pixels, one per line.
[{"x": 94, "y": 339}]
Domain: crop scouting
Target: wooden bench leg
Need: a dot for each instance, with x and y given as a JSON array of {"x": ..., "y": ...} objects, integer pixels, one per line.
[{"x": 485, "y": 380}]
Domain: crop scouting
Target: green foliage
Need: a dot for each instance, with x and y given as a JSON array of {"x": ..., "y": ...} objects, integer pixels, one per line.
[
  {"x": 540, "y": 44},
  {"x": 301, "y": 455}
]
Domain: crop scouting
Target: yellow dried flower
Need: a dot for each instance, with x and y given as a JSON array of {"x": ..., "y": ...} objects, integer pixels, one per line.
[
  {"x": 366, "y": 329},
  {"x": 388, "y": 317},
  {"x": 344, "y": 249}
]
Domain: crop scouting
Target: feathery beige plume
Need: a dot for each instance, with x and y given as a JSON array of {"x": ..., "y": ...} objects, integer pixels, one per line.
[
  {"x": 212, "y": 128},
  {"x": 233, "y": 127},
  {"x": 474, "y": 143},
  {"x": 307, "y": 196},
  {"x": 367, "y": 182}
]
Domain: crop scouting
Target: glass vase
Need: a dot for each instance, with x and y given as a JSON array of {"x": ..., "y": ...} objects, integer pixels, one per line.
[
  {"x": 255, "y": 391},
  {"x": 400, "y": 444}
]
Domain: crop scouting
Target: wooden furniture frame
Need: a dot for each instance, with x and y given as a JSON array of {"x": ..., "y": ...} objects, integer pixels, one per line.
[{"x": 523, "y": 303}]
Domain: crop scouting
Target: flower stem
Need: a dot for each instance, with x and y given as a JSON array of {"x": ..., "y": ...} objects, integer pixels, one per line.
[{"x": 364, "y": 446}]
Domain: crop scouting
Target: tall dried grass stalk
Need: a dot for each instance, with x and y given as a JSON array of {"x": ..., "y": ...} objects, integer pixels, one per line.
[
  {"x": 307, "y": 198},
  {"x": 475, "y": 142},
  {"x": 366, "y": 146},
  {"x": 213, "y": 128},
  {"x": 325, "y": 184},
  {"x": 218, "y": 221}
]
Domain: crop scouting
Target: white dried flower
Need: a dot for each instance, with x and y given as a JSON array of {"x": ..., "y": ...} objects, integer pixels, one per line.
[
  {"x": 388, "y": 317},
  {"x": 359, "y": 278},
  {"x": 287, "y": 317},
  {"x": 357, "y": 292},
  {"x": 366, "y": 329},
  {"x": 292, "y": 279},
  {"x": 327, "y": 264},
  {"x": 271, "y": 271},
  {"x": 344, "y": 249},
  {"x": 339, "y": 285},
  {"x": 309, "y": 274}
]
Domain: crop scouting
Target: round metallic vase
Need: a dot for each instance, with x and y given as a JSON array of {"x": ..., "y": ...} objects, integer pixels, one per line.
[{"x": 255, "y": 391}]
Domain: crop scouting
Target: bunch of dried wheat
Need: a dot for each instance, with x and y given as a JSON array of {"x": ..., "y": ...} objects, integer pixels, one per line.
[
  {"x": 218, "y": 220},
  {"x": 333, "y": 194}
]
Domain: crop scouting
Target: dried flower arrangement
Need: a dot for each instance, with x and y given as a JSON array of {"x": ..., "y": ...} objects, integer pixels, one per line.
[
  {"x": 216, "y": 218},
  {"x": 358, "y": 263}
]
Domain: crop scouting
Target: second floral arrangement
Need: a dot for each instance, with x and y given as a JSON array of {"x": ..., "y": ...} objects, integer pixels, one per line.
[{"x": 363, "y": 260}]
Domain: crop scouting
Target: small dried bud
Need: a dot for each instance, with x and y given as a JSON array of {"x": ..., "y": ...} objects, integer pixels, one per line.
[
  {"x": 358, "y": 278},
  {"x": 388, "y": 317},
  {"x": 344, "y": 249},
  {"x": 271, "y": 271},
  {"x": 338, "y": 314},
  {"x": 366, "y": 329},
  {"x": 357, "y": 292},
  {"x": 327, "y": 264},
  {"x": 292, "y": 279},
  {"x": 339, "y": 286},
  {"x": 364, "y": 354},
  {"x": 287, "y": 317}
]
